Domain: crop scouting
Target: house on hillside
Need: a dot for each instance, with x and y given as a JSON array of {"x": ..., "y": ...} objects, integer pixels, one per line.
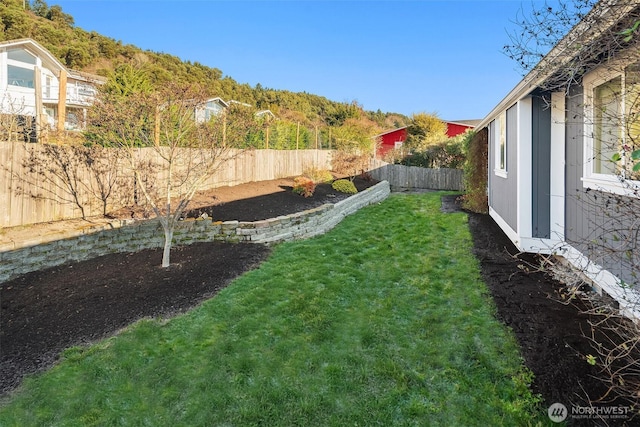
[
  {"x": 37, "y": 92},
  {"x": 211, "y": 108},
  {"x": 266, "y": 114},
  {"x": 552, "y": 186},
  {"x": 214, "y": 107},
  {"x": 395, "y": 138}
]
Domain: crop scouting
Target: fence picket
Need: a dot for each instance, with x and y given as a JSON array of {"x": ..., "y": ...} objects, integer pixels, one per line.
[
  {"x": 400, "y": 176},
  {"x": 21, "y": 209}
]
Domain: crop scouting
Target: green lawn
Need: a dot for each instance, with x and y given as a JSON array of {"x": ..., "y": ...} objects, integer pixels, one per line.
[{"x": 382, "y": 321}]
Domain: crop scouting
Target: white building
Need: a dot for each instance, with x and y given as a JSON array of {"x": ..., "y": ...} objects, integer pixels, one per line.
[{"x": 40, "y": 92}]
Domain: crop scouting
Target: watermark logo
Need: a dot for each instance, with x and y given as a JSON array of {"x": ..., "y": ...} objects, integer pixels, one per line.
[{"x": 557, "y": 412}]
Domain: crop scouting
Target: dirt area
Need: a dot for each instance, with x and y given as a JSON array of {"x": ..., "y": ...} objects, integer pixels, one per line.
[
  {"x": 47, "y": 311},
  {"x": 255, "y": 201}
]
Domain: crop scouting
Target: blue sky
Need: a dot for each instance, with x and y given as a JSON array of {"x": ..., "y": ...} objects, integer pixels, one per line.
[{"x": 431, "y": 56}]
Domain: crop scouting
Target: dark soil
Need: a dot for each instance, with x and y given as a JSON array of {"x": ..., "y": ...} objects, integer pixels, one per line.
[
  {"x": 255, "y": 201},
  {"x": 44, "y": 312},
  {"x": 551, "y": 332}
]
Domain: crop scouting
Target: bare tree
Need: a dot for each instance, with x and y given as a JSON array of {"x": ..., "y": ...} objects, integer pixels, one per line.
[
  {"x": 15, "y": 123},
  {"x": 106, "y": 182},
  {"x": 56, "y": 172},
  {"x": 354, "y": 146},
  {"x": 541, "y": 27},
  {"x": 72, "y": 174},
  {"x": 168, "y": 151}
]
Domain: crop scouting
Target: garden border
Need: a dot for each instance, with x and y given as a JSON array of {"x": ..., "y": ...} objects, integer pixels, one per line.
[{"x": 84, "y": 242}]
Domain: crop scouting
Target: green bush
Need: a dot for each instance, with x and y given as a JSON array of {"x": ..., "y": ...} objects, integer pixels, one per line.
[
  {"x": 344, "y": 186},
  {"x": 448, "y": 154},
  {"x": 475, "y": 172}
]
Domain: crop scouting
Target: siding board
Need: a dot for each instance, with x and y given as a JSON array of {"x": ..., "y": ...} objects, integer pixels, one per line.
[{"x": 503, "y": 191}]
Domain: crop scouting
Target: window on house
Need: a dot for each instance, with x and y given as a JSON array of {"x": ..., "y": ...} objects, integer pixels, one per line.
[
  {"x": 47, "y": 87},
  {"x": 612, "y": 127},
  {"x": 21, "y": 55},
  {"x": 18, "y": 76},
  {"x": 212, "y": 109},
  {"x": 606, "y": 130}
]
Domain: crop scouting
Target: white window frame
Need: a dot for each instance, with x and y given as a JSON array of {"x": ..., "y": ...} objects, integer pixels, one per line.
[
  {"x": 612, "y": 183},
  {"x": 500, "y": 145}
]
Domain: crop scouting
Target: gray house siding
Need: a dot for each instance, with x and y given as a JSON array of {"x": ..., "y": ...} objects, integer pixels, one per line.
[
  {"x": 598, "y": 223},
  {"x": 541, "y": 167},
  {"x": 575, "y": 219},
  {"x": 503, "y": 191}
]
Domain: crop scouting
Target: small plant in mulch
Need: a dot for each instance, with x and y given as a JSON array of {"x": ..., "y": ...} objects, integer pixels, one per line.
[
  {"x": 304, "y": 186},
  {"x": 344, "y": 186},
  {"x": 319, "y": 176}
]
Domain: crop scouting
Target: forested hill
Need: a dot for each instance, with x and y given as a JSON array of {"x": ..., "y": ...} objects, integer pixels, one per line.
[{"x": 92, "y": 52}]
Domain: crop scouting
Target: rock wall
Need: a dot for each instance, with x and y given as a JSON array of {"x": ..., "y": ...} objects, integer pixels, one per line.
[{"x": 129, "y": 236}]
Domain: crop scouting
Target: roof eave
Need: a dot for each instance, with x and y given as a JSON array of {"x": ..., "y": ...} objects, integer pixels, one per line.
[
  {"x": 38, "y": 49},
  {"x": 602, "y": 15}
]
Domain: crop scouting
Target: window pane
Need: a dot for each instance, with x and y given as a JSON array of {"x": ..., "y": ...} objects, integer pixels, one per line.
[
  {"x": 22, "y": 56},
  {"x": 632, "y": 116},
  {"x": 18, "y": 76},
  {"x": 607, "y": 137}
]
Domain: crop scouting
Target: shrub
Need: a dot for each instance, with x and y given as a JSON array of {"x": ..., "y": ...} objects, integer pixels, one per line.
[
  {"x": 344, "y": 186},
  {"x": 475, "y": 172},
  {"x": 304, "y": 186},
  {"x": 350, "y": 163},
  {"x": 448, "y": 154},
  {"x": 366, "y": 176},
  {"x": 319, "y": 175}
]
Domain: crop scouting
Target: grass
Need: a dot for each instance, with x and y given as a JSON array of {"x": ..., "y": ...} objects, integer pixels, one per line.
[{"x": 382, "y": 321}]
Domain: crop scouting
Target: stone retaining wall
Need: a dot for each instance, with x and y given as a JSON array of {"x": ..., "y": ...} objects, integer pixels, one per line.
[{"x": 134, "y": 236}]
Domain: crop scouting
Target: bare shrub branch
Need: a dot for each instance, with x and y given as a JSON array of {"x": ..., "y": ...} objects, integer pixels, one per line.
[{"x": 167, "y": 150}]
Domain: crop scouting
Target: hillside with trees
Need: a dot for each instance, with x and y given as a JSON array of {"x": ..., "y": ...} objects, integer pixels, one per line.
[{"x": 303, "y": 114}]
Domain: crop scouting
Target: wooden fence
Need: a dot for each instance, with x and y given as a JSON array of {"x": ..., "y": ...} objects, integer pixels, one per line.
[
  {"x": 400, "y": 176},
  {"x": 25, "y": 199}
]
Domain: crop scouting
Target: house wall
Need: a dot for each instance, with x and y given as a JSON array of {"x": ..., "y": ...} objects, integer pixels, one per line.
[
  {"x": 16, "y": 99},
  {"x": 454, "y": 129},
  {"x": 41, "y": 97},
  {"x": 577, "y": 217},
  {"x": 389, "y": 140},
  {"x": 598, "y": 224},
  {"x": 503, "y": 189}
]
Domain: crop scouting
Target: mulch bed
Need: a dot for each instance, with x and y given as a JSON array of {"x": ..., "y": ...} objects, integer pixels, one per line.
[{"x": 44, "y": 312}]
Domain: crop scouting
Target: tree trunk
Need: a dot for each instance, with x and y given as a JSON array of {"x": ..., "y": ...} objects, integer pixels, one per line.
[{"x": 168, "y": 237}]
